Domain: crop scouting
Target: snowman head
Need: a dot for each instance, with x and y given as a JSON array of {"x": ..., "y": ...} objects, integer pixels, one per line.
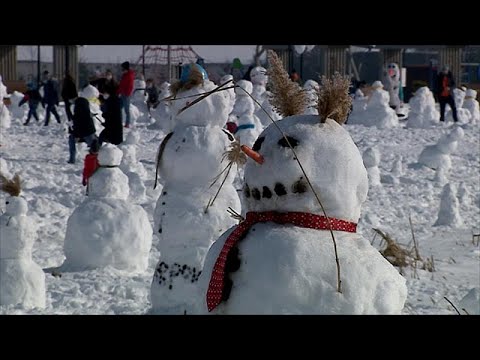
[
  {"x": 226, "y": 78},
  {"x": 330, "y": 158},
  {"x": 393, "y": 71},
  {"x": 258, "y": 76},
  {"x": 245, "y": 85},
  {"x": 210, "y": 110},
  {"x": 14, "y": 204},
  {"x": 471, "y": 94},
  {"x": 377, "y": 85},
  {"x": 311, "y": 85},
  {"x": 110, "y": 155}
]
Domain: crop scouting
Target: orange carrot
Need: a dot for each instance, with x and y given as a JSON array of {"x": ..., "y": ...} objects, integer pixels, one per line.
[{"x": 252, "y": 154}]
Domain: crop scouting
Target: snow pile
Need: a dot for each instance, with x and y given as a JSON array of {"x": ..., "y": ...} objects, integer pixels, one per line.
[
  {"x": 449, "y": 213},
  {"x": 106, "y": 230},
  {"x": 22, "y": 281},
  {"x": 423, "y": 113},
  {"x": 302, "y": 260}
]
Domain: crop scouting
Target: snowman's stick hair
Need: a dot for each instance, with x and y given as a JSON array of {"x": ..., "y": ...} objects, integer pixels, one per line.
[
  {"x": 287, "y": 98},
  {"x": 339, "y": 281},
  {"x": 195, "y": 78},
  {"x": 13, "y": 186},
  {"x": 334, "y": 101}
]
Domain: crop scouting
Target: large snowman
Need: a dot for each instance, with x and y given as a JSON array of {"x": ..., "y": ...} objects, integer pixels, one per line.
[
  {"x": 189, "y": 159},
  {"x": 91, "y": 93},
  {"x": 280, "y": 259},
  {"x": 22, "y": 281},
  {"x": 391, "y": 79},
  {"x": 106, "y": 229}
]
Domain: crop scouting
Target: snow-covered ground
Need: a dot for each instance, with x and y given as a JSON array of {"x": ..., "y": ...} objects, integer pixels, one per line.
[{"x": 53, "y": 190}]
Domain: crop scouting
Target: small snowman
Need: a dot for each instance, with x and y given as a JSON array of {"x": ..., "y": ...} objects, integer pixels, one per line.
[
  {"x": 378, "y": 112},
  {"x": 280, "y": 259},
  {"x": 106, "y": 229},
  {"x": 249, "y": 125},
  {"x": 22, "y": 281},
  {"x": 91, "y": 93},
  {"x": 395, "y": 173},
  {"x": 18, "y": 112},
  {"x": 161, "y": 114},
  {"x": 449, "y": 213},
  {"x": 192, "y": 209},
  {"x": 132, "y": 167},
  {"x": 463, "y": 114},
  {"x": 438, "y": 155},
  {"x": 230, "y": 95},
  {"x": 371, "y": 160},
  {"x": 359, "y": 105},
  {"x": 471, "y": 104},
  {"x": 423, "y": 113},
  {"x": 263, "y": 109},
  {"x": 311, "y": 87}
]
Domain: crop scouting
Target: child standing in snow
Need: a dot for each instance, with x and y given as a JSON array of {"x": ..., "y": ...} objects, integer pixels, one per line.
[
  {"x": 91, "y": 163},
  {"x": 34, "y": 98}
]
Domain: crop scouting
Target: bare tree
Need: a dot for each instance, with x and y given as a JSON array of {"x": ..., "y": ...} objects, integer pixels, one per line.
[{"x": 259, "y": 50}]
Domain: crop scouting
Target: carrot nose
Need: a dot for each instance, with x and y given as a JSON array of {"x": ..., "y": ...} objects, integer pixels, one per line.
[{"x": 252, "y": 154}]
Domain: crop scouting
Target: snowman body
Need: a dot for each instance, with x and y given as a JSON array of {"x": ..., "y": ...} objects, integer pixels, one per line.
[
  {"x": 438, "y": 155},
  {"x": 359, "y": 105},
  {"x": 106, "y": 229},
  {"x": 285, "y": 269},
  {"x": 471, "y": 104},
  {"x": 186, "y": 228},
  {"x": 378, "y": 111},
  {"x": 22, "y": 281},
  {"x": 311, "y": 87},
  {"x": 463, "y": 114},
  {"x": 249, "y": 125}
]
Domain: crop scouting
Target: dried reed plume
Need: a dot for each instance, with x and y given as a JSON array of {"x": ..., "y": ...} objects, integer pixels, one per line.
[
  {"x": 12, "y": 187},
  {"x": 195, "y": 78},
  {"x": 287, "y": 98},
  {"x": 334, "y": 102}
]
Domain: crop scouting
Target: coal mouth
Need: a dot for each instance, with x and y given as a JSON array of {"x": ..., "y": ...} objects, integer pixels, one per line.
[{"x": 298, "y": 187}]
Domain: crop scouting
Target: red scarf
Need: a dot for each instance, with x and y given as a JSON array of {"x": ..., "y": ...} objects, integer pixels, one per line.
[{"x": 306, "y": 220}]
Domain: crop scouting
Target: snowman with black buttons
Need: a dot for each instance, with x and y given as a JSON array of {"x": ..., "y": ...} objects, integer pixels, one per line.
[
  {"x": 281, "y": 258},
  {"x": 192, "y": 210}
]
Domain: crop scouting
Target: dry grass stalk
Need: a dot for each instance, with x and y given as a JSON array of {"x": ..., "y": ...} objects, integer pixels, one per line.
[
  {"x": 334, "y": 101},
  {"x": 12, "y": 187},
  {"x": 394, "y": 253},
  {"x": 415, "y": 245},
  {"x": 287, "y": 98},
  {"x": 458, "y": 312},
  {"x": 234, "y": 156}
]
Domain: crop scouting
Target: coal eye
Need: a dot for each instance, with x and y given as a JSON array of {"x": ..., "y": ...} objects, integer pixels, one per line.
[
  {"x": 258, "y": 143},
  {"x": 7, "y": 202},
  {"x": 283, "y": 142}
]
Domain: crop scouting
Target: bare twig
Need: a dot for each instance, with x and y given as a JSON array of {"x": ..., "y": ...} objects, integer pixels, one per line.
[
  {"x": 339, "y": 281},
  {"x": 458, "y": 312},
  {"x": 415, "y": 245},
  {"x": 466, "y": 312},
  {"x": 218, "y": 88}
]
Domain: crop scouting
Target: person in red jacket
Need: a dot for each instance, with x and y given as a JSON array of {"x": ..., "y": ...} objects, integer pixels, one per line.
[
  {"x": 125, "y": 89},
  {"x": 91, "y": 163}
]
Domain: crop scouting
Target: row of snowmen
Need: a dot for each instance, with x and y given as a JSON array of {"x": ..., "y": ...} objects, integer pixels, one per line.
[
  {"x": 376, "y": 111},
  {"x": 304, "y": 278}
]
